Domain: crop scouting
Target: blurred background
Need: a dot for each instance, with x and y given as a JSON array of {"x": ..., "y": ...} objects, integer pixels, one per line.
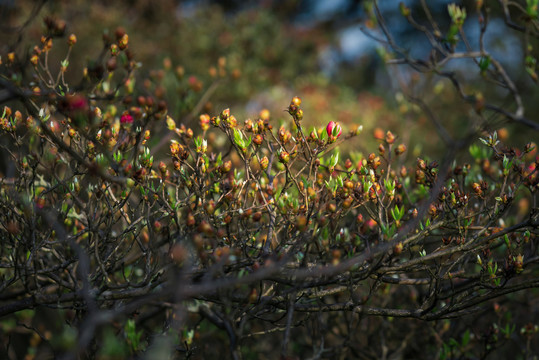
[{"x": 250, "y": 55}]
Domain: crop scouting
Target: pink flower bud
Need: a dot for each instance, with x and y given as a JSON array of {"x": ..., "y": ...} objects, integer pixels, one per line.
[{"x": 334, "y": 129}]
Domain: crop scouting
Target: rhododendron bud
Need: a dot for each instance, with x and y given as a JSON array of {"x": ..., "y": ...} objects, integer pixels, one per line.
[
  {"x": 123, "y": 41},
  {"x": 284, "y": 157},
  {"x": 400, "y": 149},
  {"x": 224, "y": 114},
  {"x": 260, "y": 126},
  {"x": 204, "y": 121},
  {"x": 226, "y": 167},
  {"x": 264, "y": 162},
  {"x": 72, "y": 40},
  {"x": 378, "y": 134},
  {"x": 282, "y": 134},
  {"x": 334, "y": 130},
  {"x": 264, "y": 114},
  {"x": 114, "y": 49},
  {"x": 231, "y": 121},
  {"x": 390, "y": 138},
  {"x": 258, "y": 139},
  {"x": 162, "y": 167}
]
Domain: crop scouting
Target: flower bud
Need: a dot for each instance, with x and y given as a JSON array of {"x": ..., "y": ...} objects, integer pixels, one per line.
[
  {"x": 226, "y": 167},
  {"x": 284, "y": 157},
  {"x": 34, "y": 60},
  {"x": 162, "y": 167},
  {"x": 296, "y": 101},
  {"x": 225, "y": 114},
  {"x": 333, "y": 129},
  {"x": 258, "y": 139},
  {"x": 347, "y": 203},
  {"x": 378, "y": 134},
  {"x": 403, "y": 172},
  {"x": 264, "y": 162},
  {"x": 299, "y": 114},
  {"x": 231, "y": 121},
  {"x": 123, "y": 42},
  {"x": 264, "y": 114},
  {"x": 248, "y": 125},
  {"x": 518, "y": 262},
  {"x": 405, "y": 11},
  {"x": 126, "y": 118},
  {"x": 71, "y": 40},
  {"x": 390, "y": 138},
  {"x": 331, "y": 207},
  {"x": 204, "y": 120},
  {"x": 114, "y": 50},
  {"x": 400, "y": 149},
  {"x": 301, "y": 222}
]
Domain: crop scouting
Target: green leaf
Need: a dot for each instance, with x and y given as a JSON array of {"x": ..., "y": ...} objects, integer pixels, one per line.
[
  {"x": 466, "y": 337},
  {"x": 484, "y": 63}
]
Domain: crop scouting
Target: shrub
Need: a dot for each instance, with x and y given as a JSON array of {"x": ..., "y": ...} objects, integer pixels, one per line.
[{"x": 246, "y": 228}]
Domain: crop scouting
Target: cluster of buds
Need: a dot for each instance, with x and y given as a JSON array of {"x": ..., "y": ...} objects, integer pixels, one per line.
[
  {"x": 284, "y": 135},
  {"x": 163, "y": 170},
  {"x": 480, "y": 188},
  {"x": 90, "y": 148},
  {"x": 373, "y": 161},
  {"x": 8, "y": 123},
  {"x": 201, "y": 145},
  {"x": 454, "y": 197},
  {"x": 294, "y": 110},
  {"x": 426, "y": 174},
  {"x": 248, "y": 125},
  {"x": 146, "y": 158},
  {"x": 225, "y": 117},
  {"x": 178, "y": 153},
  {"x": 518, "y": 262}
]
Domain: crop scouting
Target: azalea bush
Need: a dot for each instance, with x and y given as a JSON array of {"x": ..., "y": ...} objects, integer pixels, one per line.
[{"x": 128, "y": 232}]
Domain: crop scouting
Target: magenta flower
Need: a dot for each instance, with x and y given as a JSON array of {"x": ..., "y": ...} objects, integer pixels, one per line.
[
  {"x": 126, "y": 118},
  {"x": 334, "y": 130}
]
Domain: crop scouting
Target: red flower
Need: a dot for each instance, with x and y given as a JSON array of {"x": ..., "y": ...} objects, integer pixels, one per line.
[{"x": 126, "y": 118}]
